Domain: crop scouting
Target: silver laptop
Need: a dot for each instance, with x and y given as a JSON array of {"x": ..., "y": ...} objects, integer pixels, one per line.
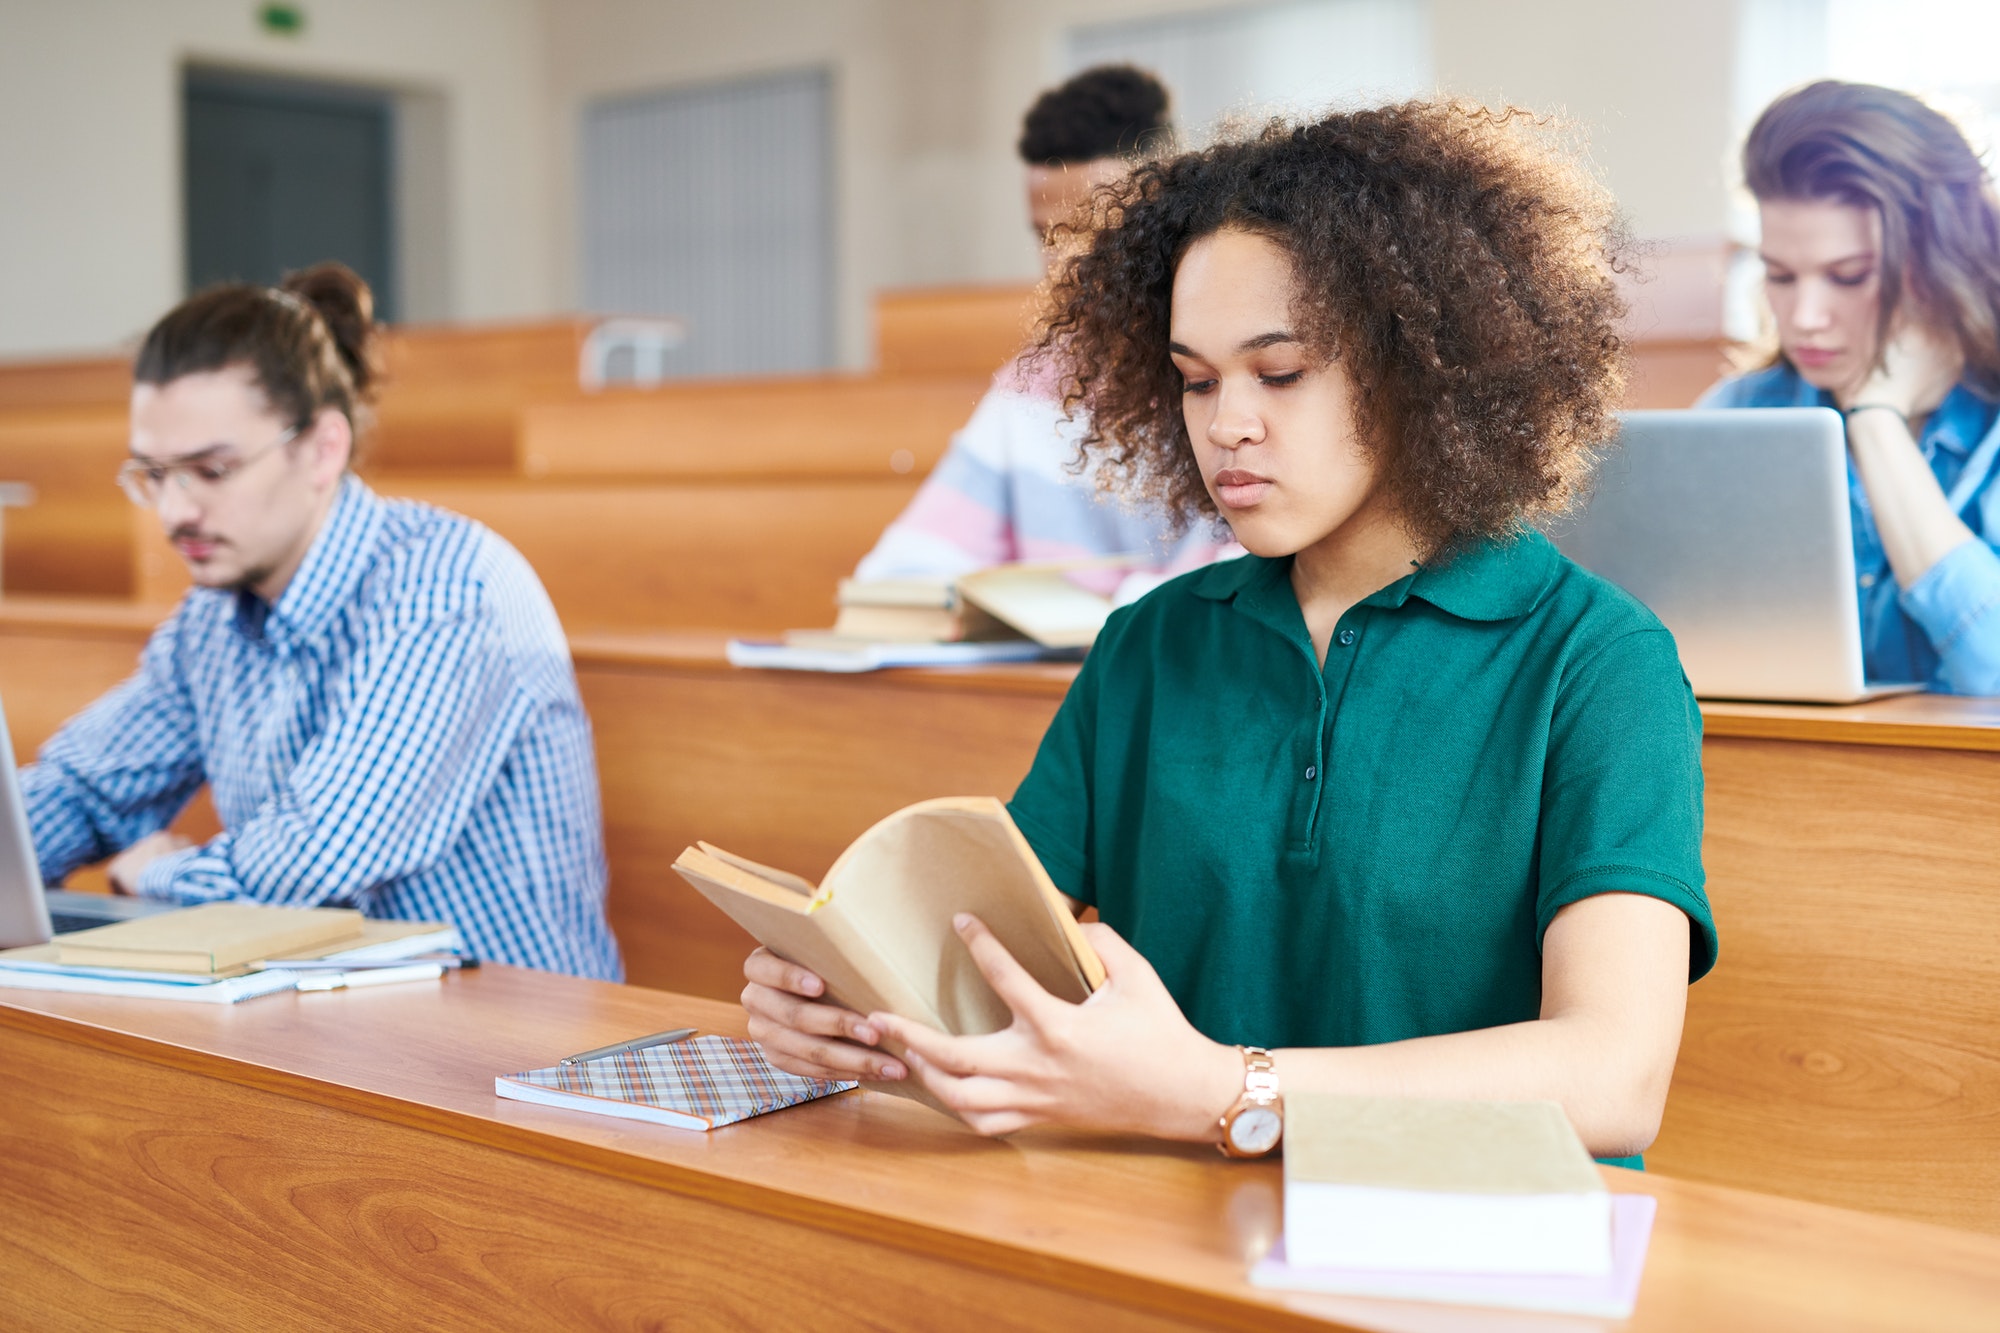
[
  {"x": 27, "y": 914},
  {"x": 1733, "y": 527}
]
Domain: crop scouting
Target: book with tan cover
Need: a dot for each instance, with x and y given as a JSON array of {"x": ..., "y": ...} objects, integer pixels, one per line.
[
  {"x": 1418, "y": 1184},
  {"x": 877, "y": 929},
  {"x": 1055, "y": 603},
  {"x": 213, "y": 937}
]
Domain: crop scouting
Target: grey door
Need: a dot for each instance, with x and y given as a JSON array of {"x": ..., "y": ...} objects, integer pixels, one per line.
[{"x": 280, "y": 174}]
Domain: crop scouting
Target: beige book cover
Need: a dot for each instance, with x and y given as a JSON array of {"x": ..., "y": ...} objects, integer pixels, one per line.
[
  {"x": 935, "y": 593},
  {"x": 1455, "y": 1147},
  {"x": 877, "y": 929},
  {"x": 917, "y": 624},
  {"x": 1056, "y": 603},
  {"x": 211, "y": 938},
  {"x": 1397, "y": 1184},
  {"x": 374, "y": 931}
]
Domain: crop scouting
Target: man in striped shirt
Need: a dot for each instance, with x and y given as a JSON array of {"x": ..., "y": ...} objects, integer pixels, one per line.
[{"x": 378, "y": 694}]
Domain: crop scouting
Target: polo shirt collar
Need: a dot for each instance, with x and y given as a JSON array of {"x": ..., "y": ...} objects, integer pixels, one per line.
[
  {"x": 1489, "y": 579},
  {"x": 326, "y": 579},
  {"x": 1257, "y": 587},
  {"x": 1495, "y": 578}
]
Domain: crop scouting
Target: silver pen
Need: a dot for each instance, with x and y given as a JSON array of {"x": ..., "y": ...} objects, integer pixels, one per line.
[{"x": 636, "y": 1044}]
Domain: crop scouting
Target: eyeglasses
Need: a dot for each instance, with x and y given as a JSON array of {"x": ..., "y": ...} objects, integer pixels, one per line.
[{"x": 145, "y": 481}]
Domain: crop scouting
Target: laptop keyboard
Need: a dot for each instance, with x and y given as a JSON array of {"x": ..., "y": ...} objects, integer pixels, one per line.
[{"x": 64, "y": 922}]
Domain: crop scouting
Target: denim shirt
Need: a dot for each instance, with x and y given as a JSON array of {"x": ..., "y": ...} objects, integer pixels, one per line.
[{"x": 1944, "y": 629}]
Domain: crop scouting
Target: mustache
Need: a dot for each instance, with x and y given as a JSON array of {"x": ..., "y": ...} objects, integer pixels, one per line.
[{"x": 190, "y": 533}]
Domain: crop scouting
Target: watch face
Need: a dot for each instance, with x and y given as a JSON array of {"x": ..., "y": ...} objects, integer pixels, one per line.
[{"x": 1256, "y": 1130}]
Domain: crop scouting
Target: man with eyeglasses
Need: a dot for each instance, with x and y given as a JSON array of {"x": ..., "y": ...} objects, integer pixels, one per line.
[{"x": 377, "y": 694}]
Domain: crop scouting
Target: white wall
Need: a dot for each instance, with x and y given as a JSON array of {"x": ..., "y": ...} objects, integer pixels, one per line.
[
  {"x": 90, "y": 209},
  {"x": 928, "y": 97},
  {"x": 902, "y": 114},
  {"x": 1648, "y": 85}
]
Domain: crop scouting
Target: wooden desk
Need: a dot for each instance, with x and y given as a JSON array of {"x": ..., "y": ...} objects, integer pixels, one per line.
[
  {"x": 1847, "y": 1046},
  {"x": 340, "y": 1160},
  {"x": 1843, "y": 1050}
]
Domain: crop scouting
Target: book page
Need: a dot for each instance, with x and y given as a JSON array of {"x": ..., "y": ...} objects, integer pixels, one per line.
[
  {"x": 1044, "y": 603},
  {"x": 905, "y": 879},
  {"x": 808, "y": 932},
  {"x": 784, "y": 879}
]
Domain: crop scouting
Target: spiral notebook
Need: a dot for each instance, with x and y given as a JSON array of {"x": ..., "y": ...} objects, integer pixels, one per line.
[{"x": 702, "y": 1083}]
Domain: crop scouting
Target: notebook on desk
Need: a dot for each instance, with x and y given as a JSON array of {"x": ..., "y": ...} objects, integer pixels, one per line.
[{"x": 702, "y": 1083}]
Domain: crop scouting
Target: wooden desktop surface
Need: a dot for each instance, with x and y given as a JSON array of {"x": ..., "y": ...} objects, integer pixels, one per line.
[
  {"x": 1842, "y": 1051},
  {"x": 340, "y": 1159}
]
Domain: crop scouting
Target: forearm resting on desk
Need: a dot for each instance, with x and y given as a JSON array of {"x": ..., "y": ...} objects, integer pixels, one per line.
[{"x": 1614, "y": 993}]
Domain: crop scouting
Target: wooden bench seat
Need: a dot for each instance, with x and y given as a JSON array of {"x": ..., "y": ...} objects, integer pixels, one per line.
[
  {"x": 46, "y": 384},
  {"x": 760, "y": 556},
  {"x": 971, "y": 330},
  {"x": 1674, "y": 372},
  {"x": 452, "y": 394},
  {"x": 71, "y": 540},
  {"x": 830, "y": 426}
]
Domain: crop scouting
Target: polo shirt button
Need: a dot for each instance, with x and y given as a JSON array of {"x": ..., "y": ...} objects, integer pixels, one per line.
[
  {"x": 1311, "y": 772},
  {"x": 1346, "y": 637},
  {"x": 1867, "y": 580}
]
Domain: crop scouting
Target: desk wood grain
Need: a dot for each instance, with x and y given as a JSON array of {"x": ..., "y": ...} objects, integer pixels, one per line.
[
  {"x": 340, "y": 1160},
  {"x": 1842, "y": 1051}
]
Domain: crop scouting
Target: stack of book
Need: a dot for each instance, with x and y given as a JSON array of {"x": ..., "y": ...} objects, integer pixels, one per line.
[
  {"x": 1013, "y": 612},
  {"x": 217, "y": 953},
  {"x": 1470, "y": 1203}
]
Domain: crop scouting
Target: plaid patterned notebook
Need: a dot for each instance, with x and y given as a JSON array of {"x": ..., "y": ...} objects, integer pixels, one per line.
[{"x": 701, "y": 1083}]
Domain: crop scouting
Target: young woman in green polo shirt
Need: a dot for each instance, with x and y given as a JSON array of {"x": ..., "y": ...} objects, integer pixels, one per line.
[{"x": 1403, "y": 802}]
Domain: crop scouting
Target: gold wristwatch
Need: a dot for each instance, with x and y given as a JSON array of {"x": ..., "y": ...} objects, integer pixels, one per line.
[{"x": 1253, "y": 1126}]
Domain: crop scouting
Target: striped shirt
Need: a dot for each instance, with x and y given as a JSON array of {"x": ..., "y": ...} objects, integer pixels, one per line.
[
  {"x": 1004, "y": 491},
  {"x": 400, "y": 732}
]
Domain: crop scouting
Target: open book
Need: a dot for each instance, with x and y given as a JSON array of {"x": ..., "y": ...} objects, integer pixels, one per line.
[
  {"x": 877, "y": 930},
  {"x": 1055, "y": 603}
]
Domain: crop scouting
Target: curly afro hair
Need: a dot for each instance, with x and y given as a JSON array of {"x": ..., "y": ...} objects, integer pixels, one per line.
[
  {"x": 1458, "y": 264},
  {"x": 1106, "y": 111}
]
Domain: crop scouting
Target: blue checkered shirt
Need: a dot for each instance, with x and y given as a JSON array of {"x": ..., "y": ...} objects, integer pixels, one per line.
[{"x": 401, "y": 732}]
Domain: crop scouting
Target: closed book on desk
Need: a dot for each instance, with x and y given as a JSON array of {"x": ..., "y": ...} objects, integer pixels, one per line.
[
  {"x": 215, "y": 937},
  {"x": 911, "y": 611},
  {"x": 1611, "y": 1295},
  {"x": 701, "y": 1083},
  {"x": 1416, "y": 1185},
  {"x": 877, "y": 930}
]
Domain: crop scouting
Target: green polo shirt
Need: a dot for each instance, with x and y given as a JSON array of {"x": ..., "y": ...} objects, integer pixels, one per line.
[{"x": 1371, "y": 851}]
